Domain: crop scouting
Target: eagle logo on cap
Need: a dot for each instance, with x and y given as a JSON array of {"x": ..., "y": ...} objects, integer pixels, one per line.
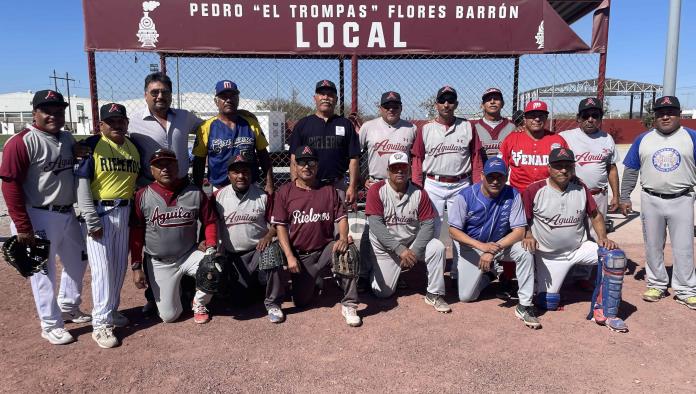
[
  {"x": 51, "y": 95},
  {"x": 391, "y": 95},
  {"x": 114, "y": 108},
  {"x": 307, "y": 151},
  {"x": 666, "y": 100},
  {"x": 447, "y": 89},
  {"x": 590, "y": 101},
  {"x": 325, "y": 83}
]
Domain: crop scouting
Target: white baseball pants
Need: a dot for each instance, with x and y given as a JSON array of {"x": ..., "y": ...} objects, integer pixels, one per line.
[{"x": 552, "y": 267}]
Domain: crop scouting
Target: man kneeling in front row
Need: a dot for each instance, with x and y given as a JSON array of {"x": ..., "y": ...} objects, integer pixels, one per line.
[{"x": 488, "y": 223}]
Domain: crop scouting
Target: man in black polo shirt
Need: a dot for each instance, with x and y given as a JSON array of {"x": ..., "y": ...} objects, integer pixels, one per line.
[{"x": 333, "y": 138}]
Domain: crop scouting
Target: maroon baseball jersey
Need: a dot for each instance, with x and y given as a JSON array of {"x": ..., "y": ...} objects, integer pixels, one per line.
[
  {"x": 527, "y": 158},
  {"x": 309, "y": 214}
]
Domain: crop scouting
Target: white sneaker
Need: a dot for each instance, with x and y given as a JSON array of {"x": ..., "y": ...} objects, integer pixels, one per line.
[
  {"x": 104, "y": 337},
  {"x": 76, "y": 316},
  {"x": 275, "y": 315},
  {"x": 57, "y": 336},
  {"x": 351, "y": 316},
  {"x": 119, "y": 319}
]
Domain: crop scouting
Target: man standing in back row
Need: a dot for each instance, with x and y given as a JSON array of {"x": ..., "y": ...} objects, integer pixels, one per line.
[{"x": 492, "y": 128}]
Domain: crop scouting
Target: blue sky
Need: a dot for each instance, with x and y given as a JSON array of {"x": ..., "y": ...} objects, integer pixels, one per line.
[{"x": 41, "y": 35}]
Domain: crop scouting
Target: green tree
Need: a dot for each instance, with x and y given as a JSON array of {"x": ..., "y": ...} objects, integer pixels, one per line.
[{"x": 294, "y": 109}]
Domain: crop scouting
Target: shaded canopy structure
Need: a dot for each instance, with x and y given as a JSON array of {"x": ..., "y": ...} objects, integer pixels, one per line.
[
  {"x": 588, "y": 88},
  {"x": 572, "y": 10}
]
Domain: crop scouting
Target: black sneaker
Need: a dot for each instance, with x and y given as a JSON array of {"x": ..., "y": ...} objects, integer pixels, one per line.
[
  {"x": 527, "y": 315},
  {"x": 507, "y": 290}
]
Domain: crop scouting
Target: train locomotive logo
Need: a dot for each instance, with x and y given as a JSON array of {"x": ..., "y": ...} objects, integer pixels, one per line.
[{"x": 147, "y": 33}]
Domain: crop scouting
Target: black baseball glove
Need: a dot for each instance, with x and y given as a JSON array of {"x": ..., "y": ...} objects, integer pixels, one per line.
[
  {"x": 272, "y": 257},
  {"x": 27, "y": 260},
  {"x": 214, "y": 274}
]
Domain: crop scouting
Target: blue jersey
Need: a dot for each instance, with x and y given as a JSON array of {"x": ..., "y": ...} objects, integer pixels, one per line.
[{"x": 486, "y": 219}]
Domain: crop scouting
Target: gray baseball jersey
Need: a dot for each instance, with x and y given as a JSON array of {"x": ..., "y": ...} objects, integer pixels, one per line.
[
  {"x": 446, "y": 150},
  {"x": 557, "y": 218},
  {"x": 492, "y": 134},
  {"x": 381, "y": 139},
  {"x": 593, "y": 155},
  {"x": 666, "y": 162},
  {"x": 242, "y": 221}
]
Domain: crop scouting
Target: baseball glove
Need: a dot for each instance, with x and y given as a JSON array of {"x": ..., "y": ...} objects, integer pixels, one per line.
[
  {"x": 213, "y": 274},
  {"x": 272, "y": 257},
  {"x": 346, "y": 264},
  {"x": 27, "y": 260}
]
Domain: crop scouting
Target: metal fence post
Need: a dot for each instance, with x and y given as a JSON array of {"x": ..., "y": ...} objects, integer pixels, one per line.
[{"x": 94, "y": 97}]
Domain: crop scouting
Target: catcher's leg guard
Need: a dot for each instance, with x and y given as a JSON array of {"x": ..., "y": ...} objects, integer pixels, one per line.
[
  {"x": 548, "y": 301},
  {"x": 607, "y": 295}
]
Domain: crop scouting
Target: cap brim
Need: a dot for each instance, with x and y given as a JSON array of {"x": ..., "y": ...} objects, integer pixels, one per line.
[
  {"x": 50, "y": 103},
  {"x": 227, "y": 90},
  {"x": 390, "y": 101}
]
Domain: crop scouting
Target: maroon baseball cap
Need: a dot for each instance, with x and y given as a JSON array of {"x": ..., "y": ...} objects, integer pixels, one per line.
[
  {"x": 491, "y": 91},
  {"x": 162, "y": 154},
  {"x": 390, "y": 97},
  {"x": 561, "y": 154},
  {"x": 446, "y": 91},
  {"x": 536, "y": 105}
]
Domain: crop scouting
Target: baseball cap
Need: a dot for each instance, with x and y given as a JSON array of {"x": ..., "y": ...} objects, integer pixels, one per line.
[
  {"x": 536, "y": 105},
  {"x": 390, "y": 97},
  {"x": 398, "y": 158},
  {"x": 561, "y": 154},
  {"x": 48, "y": 97},
  {"x": 494, "y": 164},
  {"x": 666, "y": 102},
  {"x": 446, "y": 91},
  {"x": 224, "y": 86},
  {"x": 325, "y": 84},
  {"x": 491, "y": 91},
  {"x": 590, "y": 103},
  {"x": 305, "y": 152},
  {"x": 112, "y": 110},
  {"x": 162, "y": 154},
  {"x": 245, "y": 157}
]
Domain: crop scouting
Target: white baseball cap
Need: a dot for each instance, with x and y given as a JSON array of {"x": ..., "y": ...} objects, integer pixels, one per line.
[{"x": 398, "y": 158}]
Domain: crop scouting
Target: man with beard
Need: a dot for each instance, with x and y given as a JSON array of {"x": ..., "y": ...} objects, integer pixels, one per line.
[
  {"x": 556, "y": 210},
  {"x": 222, "y": 137},
  {"x": 39, "y": 189},
  {"x": 244, "y": 210},
  {"x": 664, "y": 156},
  {"x": 333, "y": 139},
  {"x": 402, "y": 232}
]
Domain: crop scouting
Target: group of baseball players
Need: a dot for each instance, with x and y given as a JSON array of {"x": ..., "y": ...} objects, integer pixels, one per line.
[{"x": 520, "y": 201}]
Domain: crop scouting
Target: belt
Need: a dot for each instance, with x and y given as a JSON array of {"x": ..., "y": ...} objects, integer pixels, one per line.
[
  {"x": 668, "y": 196},
  {"x": 307, "y": 253},
  {"x": 55, "y": 208},
  {"x": 112, "y": 203},
  {"x": 448, "y": 178},
  {"x": 596, "y": 191}
]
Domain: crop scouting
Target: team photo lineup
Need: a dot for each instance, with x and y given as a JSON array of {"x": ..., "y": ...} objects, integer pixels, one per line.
[{"x": 520, "y": 204}]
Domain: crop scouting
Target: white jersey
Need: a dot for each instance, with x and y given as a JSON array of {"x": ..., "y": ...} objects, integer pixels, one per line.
[
  {"x": 594, "y": 153},
  {"x": 381, "y": 139},
  {"x": 242, "y": 221},
  {"x": 446, "y": 150}
]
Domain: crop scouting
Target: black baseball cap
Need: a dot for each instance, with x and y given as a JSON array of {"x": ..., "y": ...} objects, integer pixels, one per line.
[
  {"x": 325, "y": 84},
  {"x": 490, "y": 92},
  {"x": 305, "y": 152},
  {"x": 390, "y": 97},
  {"x": 446, "y": 91},
  {"x": 561, "y": 154},
  {"x": 245, "y": 157},
  {"x": 162, "y": 154},
  {"x": 112, "y": 110},
  {"x": 48, "y": 97},
  {"x": 590, "y": 103},
  {"x": 666, "y": 102}
]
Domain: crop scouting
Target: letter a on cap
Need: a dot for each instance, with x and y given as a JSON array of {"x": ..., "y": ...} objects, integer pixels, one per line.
[
  {"x": 51, "y": 94},
  {"x": 391, "y": 95},
  {"x": 325, "y": 83},
  {"x": 666, "y": 100},
  {"x": 307, "y": 151},
  {"x": 114, "y": 108},
  {"x": 563, "y": 153},
  {"x": 590, "y": 101}
]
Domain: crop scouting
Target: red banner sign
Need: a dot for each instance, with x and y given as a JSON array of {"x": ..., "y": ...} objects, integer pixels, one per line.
[{"x": 332, "y": 27}]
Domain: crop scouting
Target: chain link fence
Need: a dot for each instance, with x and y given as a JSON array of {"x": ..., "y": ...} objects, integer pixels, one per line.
[{"x": 280, "y": 89}]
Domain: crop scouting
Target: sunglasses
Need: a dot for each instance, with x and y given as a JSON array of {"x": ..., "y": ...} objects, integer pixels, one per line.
[
  {"x": 157, "y": 92},
  {"x": 587, "y": 115},
  {"x": 307, "y": 163},
  {"x": 450, "y": 100}
]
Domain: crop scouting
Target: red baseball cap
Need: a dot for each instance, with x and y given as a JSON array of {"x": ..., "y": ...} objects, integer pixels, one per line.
[{"x": 536, "y": 105}]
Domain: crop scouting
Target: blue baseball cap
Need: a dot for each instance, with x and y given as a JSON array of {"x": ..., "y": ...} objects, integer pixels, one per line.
[
  {"x": 494, "y": 164},
  {"x": 224, "y": 86}
]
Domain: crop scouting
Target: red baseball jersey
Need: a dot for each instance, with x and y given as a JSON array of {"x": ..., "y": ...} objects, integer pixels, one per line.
[{"x": 527, "y": 158}]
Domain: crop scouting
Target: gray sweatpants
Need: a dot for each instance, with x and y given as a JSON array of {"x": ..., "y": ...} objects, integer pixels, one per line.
[
  {"x": 311, "y": 266},
  {"x": 677, "y": 215},
  {"x": 247, "y": 265},
  {"x": 471, "y": 280},
  {"x": 386, "y": 268}
]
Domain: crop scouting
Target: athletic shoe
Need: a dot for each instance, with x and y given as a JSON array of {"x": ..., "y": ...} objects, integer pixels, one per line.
[
  {"x": 616, "y": 324},
  {"x": 363, "y": 285},
  {"x": 150, "y": 308},
  {"x": 57, "y": 336},
  {"x": 104, "y": 337},
  {"x": 598, "y": 315},
  {"x": 351, "y": 315},
  {"x": 200, "y": 313},
  {"x": 119, "y": 319},
  {"x": 527, "y": 315},
  {"x": 275, "y": 315},
  {"x": 437, "y": 302},
  {"x": 76, "y": 316},
  {"x": 690, "y": 302},
  {"x": 507, "y": 290},
  {"x": 653, "y": 294}
]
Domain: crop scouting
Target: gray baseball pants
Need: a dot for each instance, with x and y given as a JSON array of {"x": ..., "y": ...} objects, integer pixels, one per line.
[{"x": 677, "y": 215}]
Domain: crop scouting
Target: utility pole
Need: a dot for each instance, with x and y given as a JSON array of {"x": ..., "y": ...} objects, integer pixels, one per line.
[
  {"x": 670, "y": 78},
  {"x": 67, "y": 80}
]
